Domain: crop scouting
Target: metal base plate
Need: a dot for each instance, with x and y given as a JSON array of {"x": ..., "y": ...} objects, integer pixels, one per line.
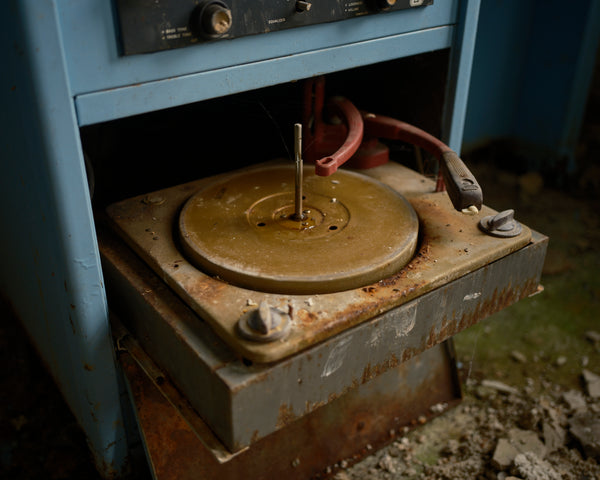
[
  {"x": 451, "y": 245},
  {"x": 244, "y": 401}
]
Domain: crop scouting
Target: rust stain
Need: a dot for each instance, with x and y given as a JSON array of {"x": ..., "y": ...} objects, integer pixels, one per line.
[
  {"x": 206, "y": 287},
  {"x": 312, "y": 406},
  {"x": 286, "y": 416},
  {"x": 383, "y": 295},
  {"x": 72, "y": 306},
  {"x": 372, "y": 371},
  {"x": 345, "y": 429},
  {"x": 72, "y": 325},
  {"x": 87, "y": 367},
  {"x": 498, "y": 301},
  {"x": 110, "y": 445},
  {"x": 305, "y": 317}
]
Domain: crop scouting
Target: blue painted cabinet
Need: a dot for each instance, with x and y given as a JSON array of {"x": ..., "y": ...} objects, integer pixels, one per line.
[{"x": 61, "y": 70}]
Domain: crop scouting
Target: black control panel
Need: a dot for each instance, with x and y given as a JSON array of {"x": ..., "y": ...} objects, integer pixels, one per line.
[{"x": 154, "y": 25}]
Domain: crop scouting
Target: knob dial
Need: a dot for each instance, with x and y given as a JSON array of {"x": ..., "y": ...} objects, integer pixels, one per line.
[
  {"x": 303, "y": 6},
  {"x": 385, "y": 4},
  {"x": 211, "y": 19}
]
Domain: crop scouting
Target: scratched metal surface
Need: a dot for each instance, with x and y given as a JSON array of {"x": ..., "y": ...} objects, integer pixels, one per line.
[
  {"x": 451, "y": 245},
  {"x": 243, "y": 402},
  {"x": 179, "y": 446}
]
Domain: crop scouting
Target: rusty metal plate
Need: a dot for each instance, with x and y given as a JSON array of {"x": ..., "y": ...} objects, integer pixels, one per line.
[
  {"x": 179, "y": 446},
  {"x": 450, "y": 246},
  {"x": 244, "y": 401},
  {"x": 243, "y": 229}
]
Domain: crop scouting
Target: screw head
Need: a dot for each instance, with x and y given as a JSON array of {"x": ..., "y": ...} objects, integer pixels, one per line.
[
  {"x": 264, "y": 324},
  {"x": 502, "y": 225}
]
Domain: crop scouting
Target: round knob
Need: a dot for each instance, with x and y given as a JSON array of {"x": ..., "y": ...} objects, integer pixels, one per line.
[
  {"x": 303, "y": 6},
  {"x": 502, "y": 225},
  {"x": 211, "y": 19},
  {"x": 385, "y": 4}
]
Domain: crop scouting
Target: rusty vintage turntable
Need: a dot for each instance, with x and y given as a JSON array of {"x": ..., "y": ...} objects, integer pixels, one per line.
[{"x": 297, "y": 288}]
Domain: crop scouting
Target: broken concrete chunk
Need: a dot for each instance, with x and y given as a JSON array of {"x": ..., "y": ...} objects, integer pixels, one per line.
[
  {"x": 530, "y": 467},
  {"x": 592, "y": 383},
  {"x": 504, "y": 454},
  {"x": 574, "y": 400},
  {"x": 593, "y": 336},
  {"x": 341, "y": 476},
  {"x": 553, "y": 413},
  {"x": 518, "y": 356},
  {"x": 585, "y": 428},
  {"x": 560, "y": 361},
  {"x": 499, "y": 386},
  {"x": 518, "y": 441},
  {"x": 387, "y": 464},
  {"x": 554, "y": 436},
  {"x": 585, "y": 360},
  {"x": 526, "y": 441}
]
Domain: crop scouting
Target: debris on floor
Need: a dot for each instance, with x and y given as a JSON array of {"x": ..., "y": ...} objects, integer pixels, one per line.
[{"x": 508, "y": 434}]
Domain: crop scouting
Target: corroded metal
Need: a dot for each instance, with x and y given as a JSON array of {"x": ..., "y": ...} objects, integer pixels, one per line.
[
  {"x": 451, "y": 246},
  {"x": 223, "y": 388},
  {"x": 179, "y": 446}
]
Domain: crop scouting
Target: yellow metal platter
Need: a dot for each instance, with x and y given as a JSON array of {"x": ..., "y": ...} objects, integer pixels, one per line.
[{"x": 354, "y": 231}]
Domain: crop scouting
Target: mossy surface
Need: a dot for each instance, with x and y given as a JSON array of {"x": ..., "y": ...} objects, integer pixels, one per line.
[{"x": 553, "y": 323}]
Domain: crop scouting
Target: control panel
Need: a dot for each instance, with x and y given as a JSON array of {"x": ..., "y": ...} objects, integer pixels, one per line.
[{"x": 154, "y": 25}]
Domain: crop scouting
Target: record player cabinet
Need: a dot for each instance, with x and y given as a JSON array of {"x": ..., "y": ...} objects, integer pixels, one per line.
[{"x": 64, "y": 68}]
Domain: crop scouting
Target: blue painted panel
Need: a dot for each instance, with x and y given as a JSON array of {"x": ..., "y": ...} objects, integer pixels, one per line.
[
  {"x": 51, "y": 271},
  {"x": 50, "y": 265},
  {"x": 498, "y": 63},
  {"x": 555, "y": 49},
  {"x": 131, "y": 100},
  {"x": 459, "y": 75},
  {"x": 90, "y": 37},
  {"x": 584, "y": 72},
  {"x": 532, "y": 69}
]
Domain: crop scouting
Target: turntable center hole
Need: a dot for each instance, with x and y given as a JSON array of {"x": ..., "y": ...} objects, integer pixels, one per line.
[
  {"x": 333, "y": 227},
  {"x": 260, "y": 224}
]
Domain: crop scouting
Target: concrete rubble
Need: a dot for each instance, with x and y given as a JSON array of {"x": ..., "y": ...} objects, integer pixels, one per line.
[
  {"x": 574, "y": 400},
  {"x": 592, "y": 383},
  {"x": 593, "y": 336},
  {"x": 529, "y": 466},
  {"x": 585, "y": 428},
  {"x": 500, "y": 433}
]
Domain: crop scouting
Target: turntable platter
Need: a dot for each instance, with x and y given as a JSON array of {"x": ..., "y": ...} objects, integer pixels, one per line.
[{"x": 355, "y": 231}]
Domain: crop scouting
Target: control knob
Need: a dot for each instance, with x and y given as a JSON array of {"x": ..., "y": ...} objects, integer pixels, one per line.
[
  {"x": 385, "y": 4},
  {"x": 211, "y": 19},
  {"x": 303, "y": 6}
]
